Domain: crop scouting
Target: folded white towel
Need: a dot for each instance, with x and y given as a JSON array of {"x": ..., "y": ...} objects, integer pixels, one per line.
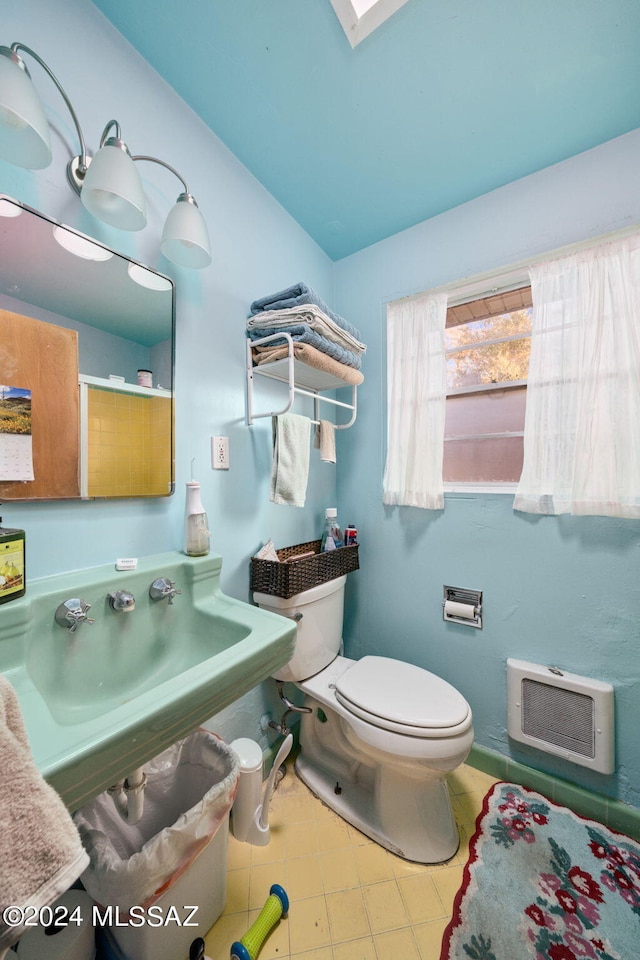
[
  {"x": 312, "y": 316},
  {"x": 325, "y": 441},
  {"x": 290, "y": 468},
  {"x": 40, "y": 849}
]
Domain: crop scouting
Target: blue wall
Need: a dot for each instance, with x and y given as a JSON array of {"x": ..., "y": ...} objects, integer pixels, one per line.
[{"x": 556, "y": 590}]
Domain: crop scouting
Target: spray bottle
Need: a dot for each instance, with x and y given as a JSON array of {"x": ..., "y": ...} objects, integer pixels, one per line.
[{"x": 196, "y": 525}]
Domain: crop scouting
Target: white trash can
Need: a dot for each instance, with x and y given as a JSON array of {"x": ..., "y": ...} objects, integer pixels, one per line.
[{"x": 146, "y": 878}]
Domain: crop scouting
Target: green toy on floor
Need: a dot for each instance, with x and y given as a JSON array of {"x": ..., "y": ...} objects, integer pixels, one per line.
[{"x": 248, "y": 948}]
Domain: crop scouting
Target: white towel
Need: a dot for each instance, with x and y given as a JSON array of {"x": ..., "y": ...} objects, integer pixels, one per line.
[
  {"x": 40, "y": 850},
  {"x": 290, "y": 467},
  {"x": 325, "y": 441},
  {"x": 312, "y": 316}
]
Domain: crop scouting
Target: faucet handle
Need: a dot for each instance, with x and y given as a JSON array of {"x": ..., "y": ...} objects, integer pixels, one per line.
[
  {"x": 122, "y": 601},
  {"x": 72, "y": 613},
  {"x": 162, "y": 588}
]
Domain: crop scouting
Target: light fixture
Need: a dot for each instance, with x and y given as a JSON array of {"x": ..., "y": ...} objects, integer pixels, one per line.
[
  {"x": 24, "y": 131},
  {"x": 108, "y": 184},
  {"x": 8, "y": 209},
  {"x": 185, "y": 240},
  {"x": 111, "y": 188},
  {"x": 146, "y": 278},
  {"x": 80, "y": 246}
]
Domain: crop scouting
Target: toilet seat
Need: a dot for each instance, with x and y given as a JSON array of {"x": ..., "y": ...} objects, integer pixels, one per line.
[{"x": 402, "y": 698}]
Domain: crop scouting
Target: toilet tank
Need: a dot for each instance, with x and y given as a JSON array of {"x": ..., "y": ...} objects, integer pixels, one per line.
[{"x": 319, "y": 614}]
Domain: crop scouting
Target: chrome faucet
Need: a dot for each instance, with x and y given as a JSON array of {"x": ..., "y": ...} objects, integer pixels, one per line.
[
  {"x": 72, "y": 613},
  {"x": 163, "y": 588},
  {"x": 121, "y": 601}
]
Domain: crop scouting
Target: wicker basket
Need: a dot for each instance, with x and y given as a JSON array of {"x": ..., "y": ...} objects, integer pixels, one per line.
[{"x": 287, "y": 579}]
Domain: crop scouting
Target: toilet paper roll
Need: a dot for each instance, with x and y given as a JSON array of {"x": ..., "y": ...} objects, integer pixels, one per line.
[
  {"x": 454, "y": 608},
  {"x": 75, "y": 941}
]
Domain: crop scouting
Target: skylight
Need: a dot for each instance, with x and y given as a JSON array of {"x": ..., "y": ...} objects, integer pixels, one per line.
[
  {"x": 361, "y": 6},
  {"x": 359, "y": 18}
]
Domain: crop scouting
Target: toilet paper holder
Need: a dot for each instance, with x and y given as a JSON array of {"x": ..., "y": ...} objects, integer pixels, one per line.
[{"x": 463, "y": 606}]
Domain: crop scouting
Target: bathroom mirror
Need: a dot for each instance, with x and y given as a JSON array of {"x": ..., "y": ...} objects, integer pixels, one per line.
[{"x": 86, "y": 366}]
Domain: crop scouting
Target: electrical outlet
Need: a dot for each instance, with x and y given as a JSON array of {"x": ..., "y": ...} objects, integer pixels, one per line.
[{"x": 220, "y": 453}]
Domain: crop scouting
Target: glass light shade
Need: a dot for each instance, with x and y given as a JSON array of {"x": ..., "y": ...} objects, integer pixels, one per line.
[
  {"x": 146, "y": 278},
  {"x": 112, "y": 190},
  {"x": 24, "y": 131},
  {"x": 8, "y": 209},
  {"x": 80, "y": 246},
  {"x": 185, "y": 240}
]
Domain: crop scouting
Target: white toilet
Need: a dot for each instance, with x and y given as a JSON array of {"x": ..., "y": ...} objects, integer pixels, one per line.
[{"x": 380, "y": 736}]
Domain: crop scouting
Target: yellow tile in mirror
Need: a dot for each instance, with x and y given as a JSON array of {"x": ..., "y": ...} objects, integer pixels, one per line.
[{"x": 128, "y": 443}]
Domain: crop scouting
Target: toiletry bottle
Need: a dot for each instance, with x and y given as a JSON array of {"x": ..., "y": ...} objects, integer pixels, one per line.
[
  {"x": 13, "y": 578},
  {"x": 331, "y": 535},
  {"x": 350, "y": 536},
  {"x": 196, "y": 526}
]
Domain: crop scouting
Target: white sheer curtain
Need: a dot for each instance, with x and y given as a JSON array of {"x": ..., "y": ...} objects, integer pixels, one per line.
[
  {"x": 416, "y": 393},
  {"x": 582, "y": 427}
]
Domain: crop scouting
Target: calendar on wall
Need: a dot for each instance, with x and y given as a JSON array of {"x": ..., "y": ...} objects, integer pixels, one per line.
[{"x": 16, "y": 446}]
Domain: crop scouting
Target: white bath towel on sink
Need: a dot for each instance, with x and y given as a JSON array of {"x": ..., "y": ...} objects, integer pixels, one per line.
[{"x": 41, "y": 854}]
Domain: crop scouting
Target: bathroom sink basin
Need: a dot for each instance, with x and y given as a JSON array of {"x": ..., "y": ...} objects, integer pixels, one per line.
[
  {"x": 109, "y": 696},
  {"x": 100, "y": 667}
]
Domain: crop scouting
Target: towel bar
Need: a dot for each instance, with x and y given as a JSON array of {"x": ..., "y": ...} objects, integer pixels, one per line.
[{"x": 300, "y": 378}]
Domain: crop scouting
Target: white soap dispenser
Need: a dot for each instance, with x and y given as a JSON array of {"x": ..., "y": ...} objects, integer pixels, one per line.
[{"x": 196, "y": 526}]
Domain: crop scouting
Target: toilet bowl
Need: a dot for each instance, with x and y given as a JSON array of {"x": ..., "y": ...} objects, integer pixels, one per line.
[{"x": 380, "y": 735}]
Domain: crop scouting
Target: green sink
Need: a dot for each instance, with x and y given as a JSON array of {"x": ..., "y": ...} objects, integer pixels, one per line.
[{"x": 109, "y": 696}]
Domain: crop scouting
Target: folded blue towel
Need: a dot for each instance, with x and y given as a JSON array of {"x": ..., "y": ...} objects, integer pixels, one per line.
[
  {"x": 295, "y": 296},
  {"x": 305, "y": 334}
]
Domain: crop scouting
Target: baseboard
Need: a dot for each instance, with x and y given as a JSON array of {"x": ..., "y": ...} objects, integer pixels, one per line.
[{"x": 612, "y": 813}]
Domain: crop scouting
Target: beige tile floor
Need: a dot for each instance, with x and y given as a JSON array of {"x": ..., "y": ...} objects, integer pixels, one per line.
[{"x": 349, "y": 898}]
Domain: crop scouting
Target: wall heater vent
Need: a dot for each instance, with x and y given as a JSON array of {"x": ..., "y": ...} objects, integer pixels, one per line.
[{"x": 561, "y": 713}]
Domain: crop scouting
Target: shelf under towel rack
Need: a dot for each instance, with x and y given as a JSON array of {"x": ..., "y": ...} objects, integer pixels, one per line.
[{"x": 301, "y": 379}]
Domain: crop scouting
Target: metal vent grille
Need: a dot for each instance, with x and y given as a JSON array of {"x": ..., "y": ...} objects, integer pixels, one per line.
[{"x": 558, "y": 716}]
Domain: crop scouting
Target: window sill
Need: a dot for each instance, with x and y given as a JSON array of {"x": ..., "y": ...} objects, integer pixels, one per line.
[{"x": 508, "y": 489}]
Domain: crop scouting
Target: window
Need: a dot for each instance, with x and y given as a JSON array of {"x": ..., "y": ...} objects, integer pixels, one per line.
[
  {"x": 359, "y": 18},
  {"x": 487, "y": 343},
  {"x": 580, "y": 453}
]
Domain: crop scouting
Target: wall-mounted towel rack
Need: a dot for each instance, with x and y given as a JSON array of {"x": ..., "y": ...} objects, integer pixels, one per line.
[{"x": 300, "y": 378}]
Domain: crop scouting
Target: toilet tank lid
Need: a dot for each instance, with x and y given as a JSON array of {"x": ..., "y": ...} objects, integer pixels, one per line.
[
  {"x": 403, "y": 692},
  {"x": 298, "y": 599}
]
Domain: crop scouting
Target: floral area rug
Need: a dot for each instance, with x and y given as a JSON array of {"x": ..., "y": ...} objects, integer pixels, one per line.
[{"x": 542, "y": 883}]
